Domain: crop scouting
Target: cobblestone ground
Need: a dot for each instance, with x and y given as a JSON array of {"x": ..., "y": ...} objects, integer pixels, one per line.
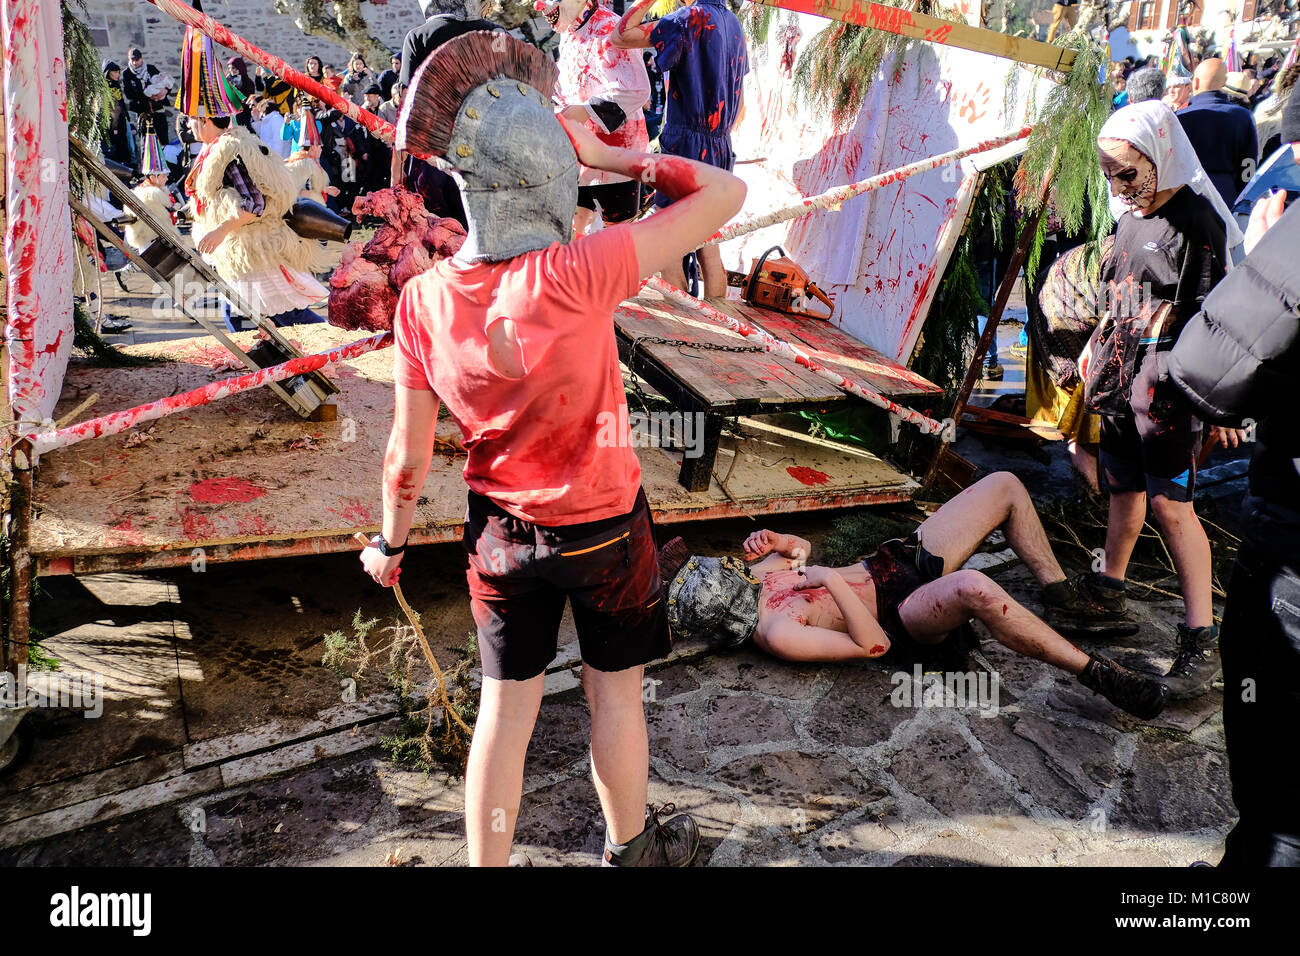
[{"x": 780, "y": 764}]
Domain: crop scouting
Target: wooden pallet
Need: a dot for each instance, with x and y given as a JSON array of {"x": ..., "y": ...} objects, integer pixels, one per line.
[{"x": 702, "y": 367}]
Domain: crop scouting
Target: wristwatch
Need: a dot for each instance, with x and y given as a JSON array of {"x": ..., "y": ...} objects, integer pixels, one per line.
[{"x": 384, "y": 548}]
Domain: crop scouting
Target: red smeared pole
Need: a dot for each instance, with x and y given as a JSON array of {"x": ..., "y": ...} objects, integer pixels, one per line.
[
  {"x": 295, "y": 78},
  {"x": 129, "y": 418},
  {"x": 771, "y": 343},
  {"x": 841, "y": 194}
]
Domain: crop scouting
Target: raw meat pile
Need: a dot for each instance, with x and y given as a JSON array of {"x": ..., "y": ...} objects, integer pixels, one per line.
[{"x": 365, "y": 286}]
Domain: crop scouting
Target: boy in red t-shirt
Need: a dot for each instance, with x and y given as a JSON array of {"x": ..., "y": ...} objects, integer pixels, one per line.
[{"x": 515, "y": 334}]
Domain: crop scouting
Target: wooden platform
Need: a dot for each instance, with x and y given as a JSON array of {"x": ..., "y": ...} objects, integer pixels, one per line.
[
  {"x": 702, "y": 367},
  {"x": 244, "y": 478}
]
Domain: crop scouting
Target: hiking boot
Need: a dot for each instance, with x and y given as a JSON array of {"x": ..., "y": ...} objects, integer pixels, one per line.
[
  {"x": 1142, "y": 696},
  {"x": 1088, "y": 605},
  {"x": 1197, "y": 663},
  {"x": 660, "y": 844}
]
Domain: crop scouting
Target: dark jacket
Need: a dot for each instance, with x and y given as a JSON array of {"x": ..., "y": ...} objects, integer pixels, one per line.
[
  {"x": 133, "y": 89},
  {"x": 423, "y": 40},
  {"x": 1239, "y": 358},
  {"x": 1223, "y": 135}
]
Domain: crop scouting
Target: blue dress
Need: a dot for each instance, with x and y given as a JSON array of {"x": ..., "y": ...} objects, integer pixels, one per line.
[{"x": 703, "y": 46}]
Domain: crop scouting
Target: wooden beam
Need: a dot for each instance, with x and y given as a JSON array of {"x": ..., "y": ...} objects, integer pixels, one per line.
[
  {"x": 159, "y": 279},
  {"x": 919, "y": 26},
  {"x": 168, "y": 232}
]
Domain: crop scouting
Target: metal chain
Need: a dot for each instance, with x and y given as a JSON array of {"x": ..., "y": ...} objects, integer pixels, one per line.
[
  {"x": 710, "y": 346},
  {"x": 661, "y": 340}
]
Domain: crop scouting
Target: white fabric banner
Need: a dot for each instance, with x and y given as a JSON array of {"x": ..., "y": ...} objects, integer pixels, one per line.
[
  {"x": 876, "y": 255},
  {"x": 38, "y": 233}
]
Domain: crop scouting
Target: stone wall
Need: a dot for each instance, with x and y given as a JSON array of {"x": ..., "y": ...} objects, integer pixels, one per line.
[{"x": 122, "y": 24}]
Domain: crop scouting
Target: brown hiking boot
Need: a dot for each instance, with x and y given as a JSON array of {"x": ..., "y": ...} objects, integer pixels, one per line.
[
  {"x": 1142, "y": 696},
  {"x": 660, "y": 844},
  {"x": 1087, "y": 605},
  {"x": 1197, "y": 663}
]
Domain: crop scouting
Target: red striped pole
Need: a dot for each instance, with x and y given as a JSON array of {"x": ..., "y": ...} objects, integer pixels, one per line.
[
  {"x": 117, "y": 422},
  {"x": 771, "y": 343},
  {"x": 840, "y": 194}
]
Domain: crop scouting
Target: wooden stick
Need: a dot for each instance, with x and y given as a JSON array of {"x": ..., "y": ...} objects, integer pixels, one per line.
[
  {"x": 919, "y": 26},
  {"x": 424, "y": 644}
]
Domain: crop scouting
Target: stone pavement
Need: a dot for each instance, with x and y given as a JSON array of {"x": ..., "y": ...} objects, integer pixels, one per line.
[{"x": 781, "y": 764}]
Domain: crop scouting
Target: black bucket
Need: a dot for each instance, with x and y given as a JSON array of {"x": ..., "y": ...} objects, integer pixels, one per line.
[
  {"x": 311, "y": 220},
  {"x": 164, "y": 257}
]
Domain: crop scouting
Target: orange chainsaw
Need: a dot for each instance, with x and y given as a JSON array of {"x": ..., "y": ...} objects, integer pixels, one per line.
[{"x": 781, "y": 285}]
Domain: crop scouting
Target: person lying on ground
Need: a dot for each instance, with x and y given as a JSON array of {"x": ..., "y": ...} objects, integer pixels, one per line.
[{"x": 911, "y": 593}]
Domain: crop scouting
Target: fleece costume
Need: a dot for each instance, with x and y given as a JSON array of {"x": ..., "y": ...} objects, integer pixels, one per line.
[
  {"x": 265, "y": 260},
  {"x": 159, "y": 202}
]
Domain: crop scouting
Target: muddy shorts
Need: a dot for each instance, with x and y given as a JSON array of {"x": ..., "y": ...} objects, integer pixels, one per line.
[
  {"x": 1152, "y": 447},
  {"x": 897, "y": 568},
  {"x": 619, "y": 202},
  {"x": 521, "y": 574}
]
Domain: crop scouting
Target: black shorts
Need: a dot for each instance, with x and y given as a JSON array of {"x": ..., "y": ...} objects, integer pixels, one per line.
[
  {"x": 1152, "y": 447},
  {"x": 897, "y": 568},
  {"x": 619, "y": 202},
  {"x": 521, "y": 574}
]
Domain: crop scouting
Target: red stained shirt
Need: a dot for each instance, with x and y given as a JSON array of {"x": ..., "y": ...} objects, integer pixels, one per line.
[{"x": 532, "y": 440}]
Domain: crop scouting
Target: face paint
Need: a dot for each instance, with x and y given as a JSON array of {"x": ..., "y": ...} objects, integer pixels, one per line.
[{"x": 1132, "y": 176}]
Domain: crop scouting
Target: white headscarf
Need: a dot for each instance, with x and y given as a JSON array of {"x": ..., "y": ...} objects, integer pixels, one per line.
[{"x": 1152, "y": 127}]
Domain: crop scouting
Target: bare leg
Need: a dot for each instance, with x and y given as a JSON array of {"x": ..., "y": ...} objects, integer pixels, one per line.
[
  {"x": 674, "y": 275},
  {"x": 494, "y": 777},
  {"x": 620, "y": 751},
  {"x": 1128, "y": 510},
  {"x": 714, "y": 275},
  {"x": 996, "y": 501},
  {"x": 934, "y": 610},
  {"x": 1084, "y": 459},
  {"x": 1190, "y": 549}
]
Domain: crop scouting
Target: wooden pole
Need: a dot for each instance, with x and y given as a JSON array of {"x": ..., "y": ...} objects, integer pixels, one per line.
[
  {"x": 20, "y": 560},
  {"x": 1000, "y": 301},
  {"x": 919, "y": 26}
]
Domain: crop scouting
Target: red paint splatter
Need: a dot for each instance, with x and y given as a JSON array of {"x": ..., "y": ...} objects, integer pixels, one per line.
[
  {"x": 809, "y": 476},
  {"x": 224, "y": 490},
  {"x": 672, "y": 176},
  {"x": 197, "y": 526},
  {"x": 354, "y": 513},
  {"x": 255, "y": 524},
  {"x": 715, "y": 118}
]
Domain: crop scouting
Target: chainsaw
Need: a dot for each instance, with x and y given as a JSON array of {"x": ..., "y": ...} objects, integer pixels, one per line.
[{"x": 781, "y": 285}]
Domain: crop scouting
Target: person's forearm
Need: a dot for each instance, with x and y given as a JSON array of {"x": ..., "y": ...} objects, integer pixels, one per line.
[
  {"x": 674, "y": 176},
  {"x": 406, "y": 465},
  {"x": 863, "y": 628},
  {"x": 790, "y": 543},
  {"x": 630, "y": 32}
]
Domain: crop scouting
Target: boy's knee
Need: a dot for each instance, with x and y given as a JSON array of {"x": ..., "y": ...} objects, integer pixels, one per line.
[
  {"x": 1007, "y": 486},
  {"x": 976, "y": 590},
  {"x": 1169, "y": 511}
]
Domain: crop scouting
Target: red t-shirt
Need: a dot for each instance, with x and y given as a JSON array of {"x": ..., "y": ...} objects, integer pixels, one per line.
[{"x": 532, "y": 440}]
